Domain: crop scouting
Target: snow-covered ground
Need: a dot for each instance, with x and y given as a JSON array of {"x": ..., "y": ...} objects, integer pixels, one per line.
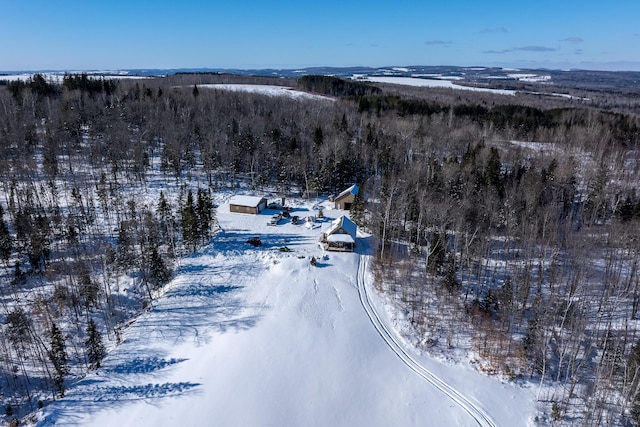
[
  {"x": 57, "y": 77},
  {"x": 252, "y": 336},
  {"x": 531, "y": 78},
  {"x": 419, "y": 82},
  {"x": 266, "y": 90}
]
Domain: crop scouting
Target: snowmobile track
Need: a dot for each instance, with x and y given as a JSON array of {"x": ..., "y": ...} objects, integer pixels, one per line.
[{"x": 478, "y": 414}]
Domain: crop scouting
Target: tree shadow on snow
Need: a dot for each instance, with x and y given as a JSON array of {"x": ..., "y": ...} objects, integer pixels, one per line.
[
  {"x": 141, "y": 365},
  {"x": 72, "y": 408},
  {"x": 206, "y": 299}
]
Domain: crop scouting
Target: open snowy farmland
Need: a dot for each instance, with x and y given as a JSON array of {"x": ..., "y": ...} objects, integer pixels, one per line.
[
  {"x": 267, "y": 90},
  {"x": 248, "y": 335},
  {"x": 442, "y": 83},
  {"x": 58, "y": 76}
]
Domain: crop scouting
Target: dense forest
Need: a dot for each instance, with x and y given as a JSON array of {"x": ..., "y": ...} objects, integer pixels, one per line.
[{"x": 507, "y": 225}]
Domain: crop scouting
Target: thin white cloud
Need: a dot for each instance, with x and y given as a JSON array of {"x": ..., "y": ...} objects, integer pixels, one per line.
[
  {"x": 437, "y": 43},
  {"x": 573, "y": 40},
  {"x": 536, "y": 49},
  {"x": 494, "y": 30},
  {"x": 523, "y": 48}
]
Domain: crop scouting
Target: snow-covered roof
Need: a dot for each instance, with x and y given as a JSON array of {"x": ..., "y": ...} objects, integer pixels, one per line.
[
  {"x": 340, "y": 238},
  {"x": 252, "y": 201},
  {"x": 351, "y": 190},
  {"x": 346, "y": 224}
]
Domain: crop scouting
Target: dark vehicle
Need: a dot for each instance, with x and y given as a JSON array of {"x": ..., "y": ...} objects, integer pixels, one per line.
[
  {"x": 295, "y": 219},
  {"x": 255, "y": 241},
  {"x": 286, "y": 214}
]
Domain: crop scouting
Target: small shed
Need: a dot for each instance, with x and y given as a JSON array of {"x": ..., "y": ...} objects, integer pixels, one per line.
[
  {"x": 247, "y": 204},
  {"x": 340, "y": 236},
  {"x": 345, "y": 199}
]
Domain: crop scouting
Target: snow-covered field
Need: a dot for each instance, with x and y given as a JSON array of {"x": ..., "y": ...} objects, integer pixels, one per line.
[
  {"x": 449, "y": 82},
  {"x": 247, "y": 336},
  {"x": 531, "y": 78},
  {"x": 418, "y": 82},
  {"x": 57, "y": 77},
  {"x": 266, "y": 90}
]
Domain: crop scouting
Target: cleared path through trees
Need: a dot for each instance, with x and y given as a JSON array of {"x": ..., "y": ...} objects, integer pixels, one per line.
[{"x": 482, "y": 418}]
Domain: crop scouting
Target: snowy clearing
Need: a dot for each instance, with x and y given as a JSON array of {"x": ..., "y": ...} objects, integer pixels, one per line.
[
  {"x": 411, "y": 81},
  {"x": 531, "y": 78},
  {"x": 266, "y": 90},
  {"x": 255, "y": 336},
  {"x": 57, "y": 76}
]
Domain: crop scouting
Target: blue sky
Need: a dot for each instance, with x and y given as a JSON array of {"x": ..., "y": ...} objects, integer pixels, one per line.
[{"x": 76, "y": 35}]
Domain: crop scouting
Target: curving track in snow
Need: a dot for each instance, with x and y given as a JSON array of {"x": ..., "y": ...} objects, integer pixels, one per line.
[{"x": 478, "y": 414}]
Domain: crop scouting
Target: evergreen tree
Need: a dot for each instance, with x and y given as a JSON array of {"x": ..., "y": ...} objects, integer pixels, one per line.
[
  {"x": 625, "y": 211},
  {"x": 93, "y": 345},
  {"x": 356, "y": 212},
  {"x": 6, "y": 243},
  {"x": 102, "y": 192},
  {"x": 58, "y": 357},
  {"x": 19, "y": 277},
  {"x": 163, "y": 209},
  {"x": 88, "y": 288},
  {"x": 205, "y": 214},
  {"x": 494, "y": 171},
  {"x": 39, "y": 243},
  {"x": 450, "y": 282},
  {"x": 39, "y": 86},
  {"x": 318, "y": 138},
  {"x": 125, "y": 256},
  {"x": 159, "y": 273},
  {"x": 189, "y": 223}
]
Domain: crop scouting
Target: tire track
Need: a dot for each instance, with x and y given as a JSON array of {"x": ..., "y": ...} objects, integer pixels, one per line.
[{"x": 478, "y": 414}]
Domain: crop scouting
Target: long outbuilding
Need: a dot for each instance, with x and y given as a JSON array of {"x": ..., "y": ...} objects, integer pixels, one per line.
[{"x": 247, "y": 204}]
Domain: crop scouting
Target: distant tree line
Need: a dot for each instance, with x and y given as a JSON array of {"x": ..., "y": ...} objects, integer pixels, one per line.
[{"x": 335, "y": 86}]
